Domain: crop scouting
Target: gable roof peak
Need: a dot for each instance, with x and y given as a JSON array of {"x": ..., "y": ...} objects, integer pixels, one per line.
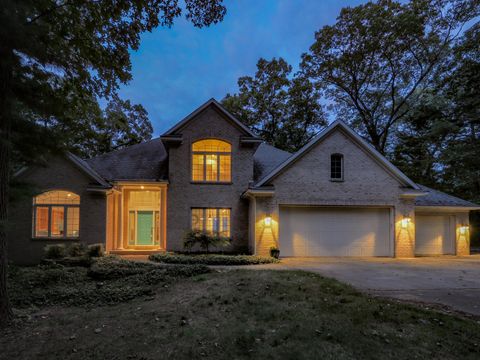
[{"x": 211, "y": 102}]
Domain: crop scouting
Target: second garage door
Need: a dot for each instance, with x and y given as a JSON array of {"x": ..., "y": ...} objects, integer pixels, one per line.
[
  {"x": 434, "y": 234},
  {"x": 317, "y": 231}
]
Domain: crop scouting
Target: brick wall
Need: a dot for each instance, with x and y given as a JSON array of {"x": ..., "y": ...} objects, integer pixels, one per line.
[{"x": 60, "y": 174}]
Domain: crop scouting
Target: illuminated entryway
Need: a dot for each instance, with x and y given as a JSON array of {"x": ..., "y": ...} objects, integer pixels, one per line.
[{"x": 137, "y": 217}]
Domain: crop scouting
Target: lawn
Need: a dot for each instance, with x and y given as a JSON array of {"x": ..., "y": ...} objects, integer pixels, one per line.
[{"x": 238, "y": 314}]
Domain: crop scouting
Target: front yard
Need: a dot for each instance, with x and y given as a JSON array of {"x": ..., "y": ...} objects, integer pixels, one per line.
[{"x": 190, "y": 313}]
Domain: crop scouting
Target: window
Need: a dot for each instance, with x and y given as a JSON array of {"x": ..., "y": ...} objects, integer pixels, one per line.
[
  {"x": 336, "y": 167},
  {"x": 211, "y": 161},
  {"x": 212, "y": 220},
  {"x": 56, "y": 214}
]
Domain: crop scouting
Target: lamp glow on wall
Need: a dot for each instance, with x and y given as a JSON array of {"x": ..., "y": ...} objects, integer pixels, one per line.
[
  {"x": 268, "y": 220},
  {"x": 405, "y": 221},
  {"x": 463, "y": 229}
]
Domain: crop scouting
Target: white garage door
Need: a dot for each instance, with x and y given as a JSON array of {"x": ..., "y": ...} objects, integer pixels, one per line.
[
  {"x": 434, "y": 234},
  {"x": 316, "y": 231}
]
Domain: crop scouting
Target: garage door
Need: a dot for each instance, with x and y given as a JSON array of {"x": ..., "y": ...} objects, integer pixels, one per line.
[
  {"x": 435, "y": 234},
  {"x": 314, "y": 231}
]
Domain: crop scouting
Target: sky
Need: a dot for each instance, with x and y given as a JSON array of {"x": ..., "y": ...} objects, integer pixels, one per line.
[{"x": 177, "y": 69}]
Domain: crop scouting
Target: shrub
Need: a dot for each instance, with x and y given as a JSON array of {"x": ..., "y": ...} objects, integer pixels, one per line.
[
  {"x": 56, "y": 251},
  {"x": 76, "y": 249},
  {"x": 212, "y": 259},
  {"x": 95, "y": 250},
  {"x": 204, "y": 239}
]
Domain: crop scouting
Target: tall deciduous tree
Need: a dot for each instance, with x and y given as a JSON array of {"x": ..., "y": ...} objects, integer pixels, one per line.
[
  {"x": 283, "y": 109},
  {"x": 54, "y": 52},
  {"x": 375, "y": 61}
]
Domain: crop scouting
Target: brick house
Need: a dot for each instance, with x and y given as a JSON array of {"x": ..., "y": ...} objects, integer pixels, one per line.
[{"x": 336, "y": 196}]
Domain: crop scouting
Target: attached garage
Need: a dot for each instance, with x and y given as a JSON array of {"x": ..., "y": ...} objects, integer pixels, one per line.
[
  {"x": 434, "y": 234},
  {"x": 335, "y": 231}
]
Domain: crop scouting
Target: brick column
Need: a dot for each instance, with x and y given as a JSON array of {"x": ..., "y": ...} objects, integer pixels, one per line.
[{"x": 405, "y": 232}]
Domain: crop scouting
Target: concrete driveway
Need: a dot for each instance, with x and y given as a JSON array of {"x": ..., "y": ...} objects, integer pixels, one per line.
[{"x": 451, "y": 281}]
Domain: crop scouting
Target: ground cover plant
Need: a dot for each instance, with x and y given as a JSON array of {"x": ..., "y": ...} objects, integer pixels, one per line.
[
  {"x": 211, "y": 259},
  {"x": 109, "y": 280},
  {"x": 244, "y": 314}
]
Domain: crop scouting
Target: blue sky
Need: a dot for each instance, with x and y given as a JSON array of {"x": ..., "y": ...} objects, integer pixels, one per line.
[{"x": 177, "y": 69}]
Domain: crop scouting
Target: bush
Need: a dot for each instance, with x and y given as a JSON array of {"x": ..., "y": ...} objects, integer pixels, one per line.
[
  {"x": 212, "y": 259},
  {"x": 95, "y": 250},
  {"x": 204, "y": 239},
  {"x": 55, "y": 251},
  {"x": 76, "y": 249}
]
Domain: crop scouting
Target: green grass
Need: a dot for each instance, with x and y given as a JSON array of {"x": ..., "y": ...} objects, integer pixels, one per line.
[
  {"x": 245, "y": 314},
  {"x": 211, "y": 259}
]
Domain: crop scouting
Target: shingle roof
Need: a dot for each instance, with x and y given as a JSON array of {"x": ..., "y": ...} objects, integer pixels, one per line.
[
  {"x": 144, "y": 161},
  {"x": 438, "y": 198},
  {"x": 267, "y": 158}
]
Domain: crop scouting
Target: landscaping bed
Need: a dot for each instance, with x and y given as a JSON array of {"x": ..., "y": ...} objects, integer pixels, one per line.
[
  {"x": 108, "y": 280},
  {"x": 211, "y": 259}
]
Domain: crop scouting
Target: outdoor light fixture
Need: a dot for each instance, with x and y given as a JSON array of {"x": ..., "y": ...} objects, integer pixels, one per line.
[
  {"x": 405, "y": 222},
  {"x": 142, "y": 187},
  {"x": 463, "y": 229},
  {"x": 267, "y": 220}
]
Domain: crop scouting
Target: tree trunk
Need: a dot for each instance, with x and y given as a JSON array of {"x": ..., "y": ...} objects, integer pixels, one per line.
[{"x": 6, "y": 61}]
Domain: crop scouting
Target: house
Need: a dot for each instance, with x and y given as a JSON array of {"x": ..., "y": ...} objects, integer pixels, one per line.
[{"x": 337, "y": 196}]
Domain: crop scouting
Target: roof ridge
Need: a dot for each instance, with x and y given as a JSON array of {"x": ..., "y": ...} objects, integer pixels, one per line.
[{"x": 122, "y": 149}]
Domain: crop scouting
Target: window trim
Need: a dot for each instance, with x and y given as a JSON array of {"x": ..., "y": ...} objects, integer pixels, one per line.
[
  {"x": 341, "y": 178},
  {"x": 204, "y": 155},
  {"x": 204, "y": 215},
  {"x": 65, "y": 218}
]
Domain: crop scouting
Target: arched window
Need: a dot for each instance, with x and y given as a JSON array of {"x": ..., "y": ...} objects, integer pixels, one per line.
[
  {"x": 56, "y": 214},
  {"x": 211, "y": 161},
  {"x": 336, "y": 167}
]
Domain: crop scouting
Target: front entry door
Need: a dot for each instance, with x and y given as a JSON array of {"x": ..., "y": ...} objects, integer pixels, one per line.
[{"x": 145, "y": 228}]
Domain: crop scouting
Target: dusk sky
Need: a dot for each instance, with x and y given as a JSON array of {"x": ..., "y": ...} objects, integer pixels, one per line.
[{"x": 177, "y": 69}]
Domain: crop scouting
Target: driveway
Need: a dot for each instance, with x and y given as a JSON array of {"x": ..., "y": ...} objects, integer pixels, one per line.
[{"x": 451, "y": 281}]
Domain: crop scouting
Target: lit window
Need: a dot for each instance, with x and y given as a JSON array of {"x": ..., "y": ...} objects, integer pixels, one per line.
[
  {"x": 56, "y": 214},
  {"x": 212, "y": 220},
  {"x": 336, "y": 167},
  {"x": 211, "y": 161}
]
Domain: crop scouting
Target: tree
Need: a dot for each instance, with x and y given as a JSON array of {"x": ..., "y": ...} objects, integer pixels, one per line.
[
  {"x": 93, "y": 131},
  {"x": 377, "y": 59},
  {"x": 284, "y": 110},
  {"x": 54, "y": 54}
]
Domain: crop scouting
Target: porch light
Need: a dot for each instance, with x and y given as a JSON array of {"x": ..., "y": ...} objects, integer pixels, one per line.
[
  {"x": 142, "y": 187},
  {"x": 405, "y": 222},
  {"x": 268, "y": 220},
  {"x": 463, "y": 229}
]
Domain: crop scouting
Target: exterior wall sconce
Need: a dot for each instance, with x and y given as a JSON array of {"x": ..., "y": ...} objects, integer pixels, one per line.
[
  {"x": 405, "y": 221},
  {"x": 463, "y": 229},
  {"x": 268, "y": 220}
]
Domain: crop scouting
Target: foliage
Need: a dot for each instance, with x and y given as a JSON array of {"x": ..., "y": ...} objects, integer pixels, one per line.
[
  {"x": 56, "y": 251},
  {"x": 204, "y": 239},
  {"x": 211, "y": 259},
  {"x": 54, "y": 57},
  {"x": 76, "y": 249},
  {"x": 377, "y": 59},
  {"x": 96, "y": 250},
  {"x": 283, "y": 110},
  {"x": 110, "y": 280}
]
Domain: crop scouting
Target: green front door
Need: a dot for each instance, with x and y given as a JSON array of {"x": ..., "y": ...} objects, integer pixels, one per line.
[{"x": 145, "y": 228}]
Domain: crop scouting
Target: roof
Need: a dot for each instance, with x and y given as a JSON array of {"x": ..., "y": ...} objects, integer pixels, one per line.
[
  {"x": 360, "y": 142},
  {"x": 211, "y": 102},
  {"x": 144, "y": 161},
  {"x": 437, "y": 198},
  {"x": 267, "y": 158},
  {"x": 86, "y": 168}
]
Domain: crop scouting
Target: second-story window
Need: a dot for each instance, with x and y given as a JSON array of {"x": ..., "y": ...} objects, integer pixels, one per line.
[
  {"x": 211, "y": 161},
  {"x": 336, "y": 167}
]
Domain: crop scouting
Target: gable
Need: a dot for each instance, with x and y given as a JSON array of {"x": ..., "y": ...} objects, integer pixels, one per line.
[
  {"x": 210, "y": 104},
  {"x": 353, "y": 139}
]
